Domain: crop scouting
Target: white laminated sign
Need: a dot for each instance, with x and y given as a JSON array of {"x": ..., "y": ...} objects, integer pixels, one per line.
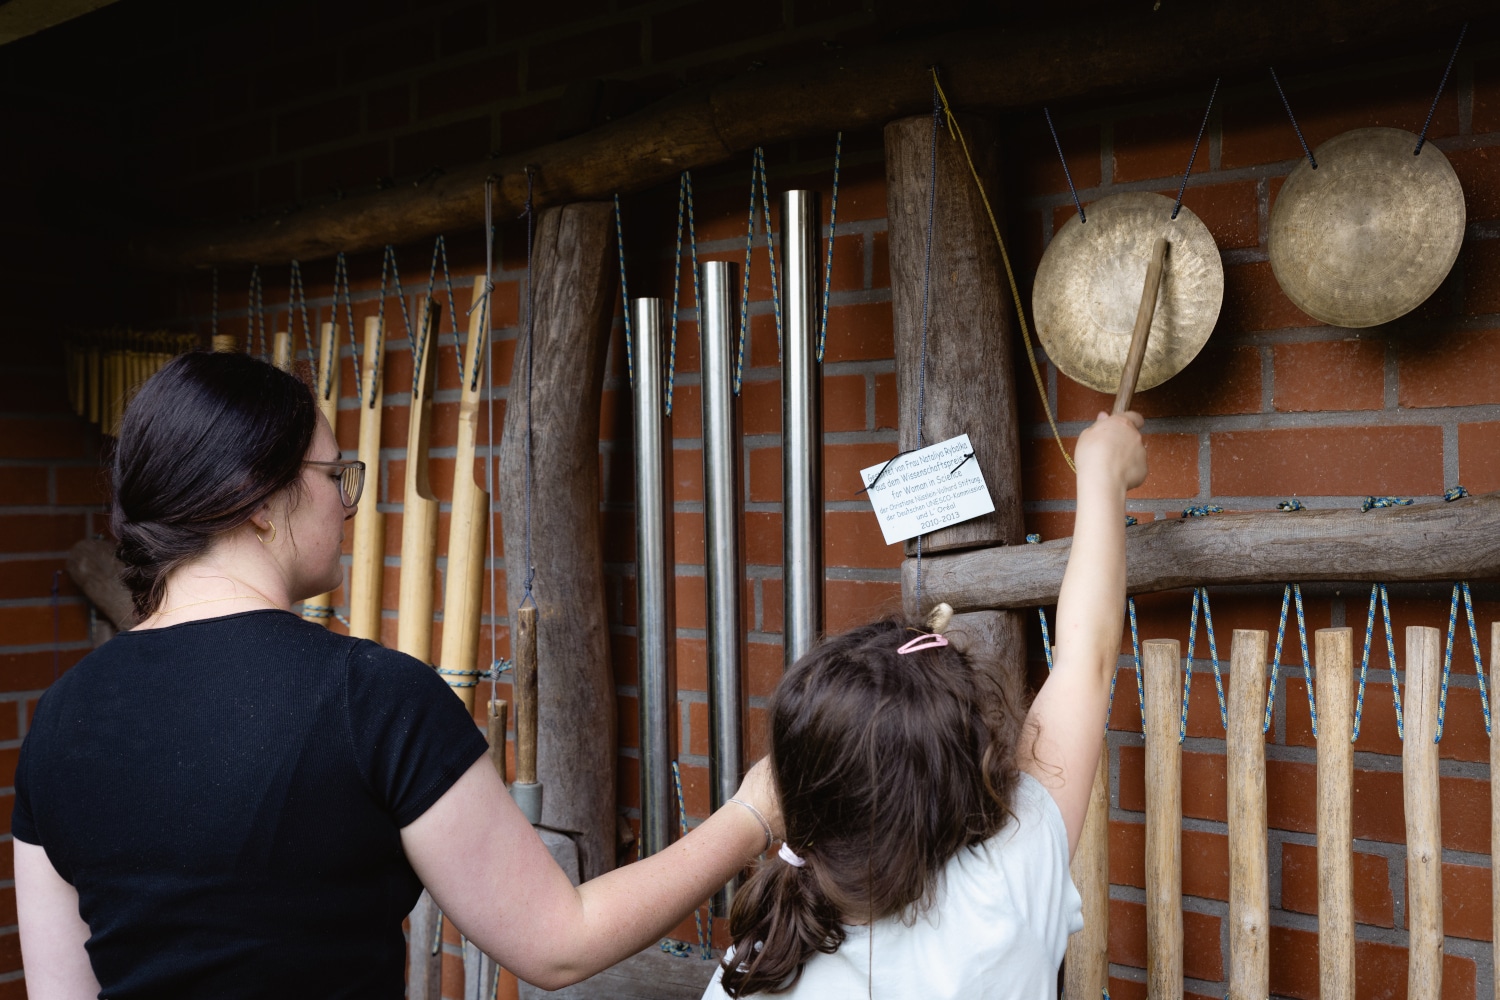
[{"x": 924, "y": 490}]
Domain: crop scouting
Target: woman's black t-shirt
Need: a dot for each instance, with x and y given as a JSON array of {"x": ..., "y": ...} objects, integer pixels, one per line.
[{"x": 227, "y": 797}]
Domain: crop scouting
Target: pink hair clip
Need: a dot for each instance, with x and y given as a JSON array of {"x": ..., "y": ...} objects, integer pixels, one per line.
[{"x": 929, "y": 641}]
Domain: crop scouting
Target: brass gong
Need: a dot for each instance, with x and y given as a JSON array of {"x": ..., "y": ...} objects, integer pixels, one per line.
[
  {"x": 1088, "y": 290},
  {"x": 1371, "y": 233}
]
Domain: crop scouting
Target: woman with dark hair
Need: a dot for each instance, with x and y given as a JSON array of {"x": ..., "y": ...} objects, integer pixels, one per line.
[
  {"x": 928, "y": 827},
  {"x": 227, "y": 801}
]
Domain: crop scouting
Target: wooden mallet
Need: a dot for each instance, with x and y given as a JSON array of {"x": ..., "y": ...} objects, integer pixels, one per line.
[{"x": 1143, "y": 317}]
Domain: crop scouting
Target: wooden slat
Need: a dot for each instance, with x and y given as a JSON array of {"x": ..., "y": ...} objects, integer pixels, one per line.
[
  {"x": 1424, "y": 848},
  {"x": 1249, "y": 898},
  {"x": 1086, "y": 968},
  {"x": 1333, "y": 684},
  {"x": 1163, "y": 668}
]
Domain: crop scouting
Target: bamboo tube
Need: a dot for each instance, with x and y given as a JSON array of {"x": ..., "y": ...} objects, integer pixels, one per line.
[
  {"x": 1335, "y": 702},
  {"x": 1249, "y": 899},
  {"x": 469, "y": 523},
  {"x": 281, "y": 350},
  {"x": 320, "y": 609},
  {"x": 1424, "y": 847},
  {"x": 1163, "y": 667},
  {"x": 1086, "y": 968},
  {"x": 1495, "y": 801},
  {"x": 225, "y": 343},
  {"x": 419, "y": 509},
  {"x": 366, "y": 575}
]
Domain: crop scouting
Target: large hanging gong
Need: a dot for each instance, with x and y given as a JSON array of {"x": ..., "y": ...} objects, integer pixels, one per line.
[
  {"x": 1369, "y": 234},
  {"x": 1088, "y": 290}
]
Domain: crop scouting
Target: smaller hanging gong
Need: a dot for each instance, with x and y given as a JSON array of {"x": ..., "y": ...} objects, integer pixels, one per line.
[
  {"x": 1088, "y": 290},
  {"x": 1369, "y": 234}
]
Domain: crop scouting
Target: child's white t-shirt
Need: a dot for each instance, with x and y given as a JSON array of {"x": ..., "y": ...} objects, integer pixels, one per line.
[{"x": 997, "y": 929}]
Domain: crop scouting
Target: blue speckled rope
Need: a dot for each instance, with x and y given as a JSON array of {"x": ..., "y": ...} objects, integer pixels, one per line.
[
  {"x": 1288, "y": 593},
  {"x": 1046, "y": 637},
  {"x": 1202, "y": 510},
  {"x": 341, "y": 289},
  {"x": 1455, "y": 493},
  {"x": 624, "y": 293},
  {"x": 684, "y": 200},
  {"x": 439, "y": 255},
  {"x": 1378, "y": 591},
  {"x": 1213, "y": 652},
  {"x": 1375, "y": 503},
  {"x": 1484, "y": 700},
  {"x": 765, "y": 206},
  {"x": 703, "y": 943},
  {"x": 833, "y": 218},
  {"x": 1135, "y": 645},
  {"x": 296, "y": 297}
]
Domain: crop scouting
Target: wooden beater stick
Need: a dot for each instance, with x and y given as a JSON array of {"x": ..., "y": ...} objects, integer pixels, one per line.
[
  {"x": 419, "y": 517},
  {"x": 1163, "y": 666},
  {"x": 1143, "y": 317},
  {"x": 320, "y": 609},
  {"x": 366, "y": 575},
  {"x": 1335, "y": 701},
  {"x": 1086, "y": 968},
  {"x": 1249, "y": 899},
  {"x": 1424, "y": 847}
]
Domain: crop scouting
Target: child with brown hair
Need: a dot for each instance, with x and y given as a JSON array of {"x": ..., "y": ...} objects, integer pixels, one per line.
[{"x": 928, "y": 827}]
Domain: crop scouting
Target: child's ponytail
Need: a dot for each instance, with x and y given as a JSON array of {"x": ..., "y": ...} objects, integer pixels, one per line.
[{"x": 781, "y": 918}]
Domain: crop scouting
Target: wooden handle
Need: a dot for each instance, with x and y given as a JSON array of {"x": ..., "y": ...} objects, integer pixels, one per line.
[
  {"x": 524, "y": 651},
  {"x": 1163, "y": 668},
  {"x": 1143, "y": 317},
  {"x": 1424, "y": 848},
  {"x": 1335, "y": 701},
  {"x": 1249, "y": 898}
]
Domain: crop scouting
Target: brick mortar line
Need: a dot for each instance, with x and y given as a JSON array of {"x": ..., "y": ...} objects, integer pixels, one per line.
[{"x": 1433, "y": 417}]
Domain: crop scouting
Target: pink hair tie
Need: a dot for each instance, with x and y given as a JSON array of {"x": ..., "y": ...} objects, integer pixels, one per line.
[
  {"x": 929, "y": 641},
  {"x": 790, "y": 856}
]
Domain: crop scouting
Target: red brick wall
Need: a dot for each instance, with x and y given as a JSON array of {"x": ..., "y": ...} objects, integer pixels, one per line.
[{"x": 1276, "y": 406}]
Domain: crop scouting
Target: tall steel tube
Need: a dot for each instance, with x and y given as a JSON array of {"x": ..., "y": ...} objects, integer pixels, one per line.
[
  {"x": 655, "y": 631},
  {"x": 721, "y": 536},
  {"x": 801, "y": 428}
]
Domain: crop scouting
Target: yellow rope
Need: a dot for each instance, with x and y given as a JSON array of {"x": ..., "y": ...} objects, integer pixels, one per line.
[{"x": 956, "y": 132}]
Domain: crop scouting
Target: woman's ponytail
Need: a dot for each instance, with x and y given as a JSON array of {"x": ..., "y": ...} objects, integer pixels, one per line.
[{"x": 781, "y": 917}]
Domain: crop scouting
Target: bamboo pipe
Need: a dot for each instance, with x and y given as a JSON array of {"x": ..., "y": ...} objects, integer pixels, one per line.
[
  {"x": 320, "y": 609},
  {"x": 469, "y": 524},
  {"x": 1335, "y": 701},
  {"x": 1086, "y": 968},
  {"x": 1249, "y": 893},
  {"x": 225, "y": 343},
  {"x": 366, "y": 575},
  {"x": 1424, "y": 846},
  {"x": 419, "y": 508},
  {"x": 1495, "y": 801},
  {"x": 527, "y": 791},
  {"x": 281, "y": 350},
  {"x": 1142, "y": 332},
  {"x": 1163, "y": 667}
]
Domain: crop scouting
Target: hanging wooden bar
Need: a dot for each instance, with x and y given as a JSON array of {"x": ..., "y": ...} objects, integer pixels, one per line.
[
  {"x": 367, "y": 573},
  {"x": 1249, "y": 887},
  {"x": 1163, "y": 669},
  {"x": 1086, "y": 967},
  {"x": 1334, "y": 691},
  {"x": 1420, "y": 796},
  {"x": 419, "y": 508},
  {"x": 469, "y": 524},
  {"x": 326, "y": 390}
]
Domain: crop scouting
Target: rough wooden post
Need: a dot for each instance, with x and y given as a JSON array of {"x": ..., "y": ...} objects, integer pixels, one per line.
[
  {"x": 1086, "y": 967},
  {"x": 574, "y": 267},
  {"x": 1335, "y": 702},
  {"x": 1249, "y": 900},
  {"x": 969, "y": 385},
  {"x": 1163, "y": 667},
  {"x": 1424, "y": 847}
]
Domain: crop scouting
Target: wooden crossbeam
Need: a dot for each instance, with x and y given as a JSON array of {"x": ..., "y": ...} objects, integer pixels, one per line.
[{"x": 1458, "y": 540}]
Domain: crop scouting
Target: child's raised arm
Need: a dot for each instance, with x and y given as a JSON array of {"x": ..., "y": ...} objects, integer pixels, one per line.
[{"x": 1068, "y": 716}]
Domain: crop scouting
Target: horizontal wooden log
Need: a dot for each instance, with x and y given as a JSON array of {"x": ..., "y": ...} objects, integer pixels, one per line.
[
  {"x": 1425, "y": 542},
  {"x": 995, "y": 67},
  {"x": 96, "y": 569}
]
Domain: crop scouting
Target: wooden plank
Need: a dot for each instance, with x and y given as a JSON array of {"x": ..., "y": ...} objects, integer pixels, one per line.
[
  {"x": 1334, "y": 689},
  {"x": 1249, "y": 893},
  {"x": 1425, "y": 542},
  {"x": 998, "y": 67},
  {"x": 575, "y": 266},
  {"x": 1163, "y": 668},
  {"x": 1419, "y": 782},
  {"x": 1086, "y": 967}
]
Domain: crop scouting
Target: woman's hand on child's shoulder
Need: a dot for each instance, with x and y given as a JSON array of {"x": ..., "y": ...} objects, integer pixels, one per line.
[{"x": 1112, "y": 447}]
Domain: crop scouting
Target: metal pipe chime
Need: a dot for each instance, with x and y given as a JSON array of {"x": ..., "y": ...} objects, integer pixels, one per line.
[
  {"x": 721, "y": 534},
  {"x": 801, "y": 428},
  {"x": 655, "y": 625}
]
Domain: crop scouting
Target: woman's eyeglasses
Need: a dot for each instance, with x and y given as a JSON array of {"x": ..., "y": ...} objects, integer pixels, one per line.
[{"x": 351, "y": 478}]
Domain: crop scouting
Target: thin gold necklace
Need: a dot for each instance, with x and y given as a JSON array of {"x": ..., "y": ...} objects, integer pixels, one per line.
[{"x": 211, "y": 600}]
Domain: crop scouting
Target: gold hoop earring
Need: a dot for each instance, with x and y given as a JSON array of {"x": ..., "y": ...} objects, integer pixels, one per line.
[{"x": 267, "y": 541}]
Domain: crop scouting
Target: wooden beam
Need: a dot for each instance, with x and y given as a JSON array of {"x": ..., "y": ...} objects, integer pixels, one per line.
[
  {"x": 991, "y": 68},
  {"x": 23, "y": 18},
  {"x": 1426, "y": 542}
]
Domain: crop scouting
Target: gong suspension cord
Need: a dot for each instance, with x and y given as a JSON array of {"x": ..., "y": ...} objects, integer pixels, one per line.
[
  {"x": 296, "y": 299},
  {"x": 625, "y": 295},
  {"x": 684, "y": 200},
  {"x": 1194, "y": 155},
  {"x": 758, "y": 187},
  {"x": 1064, "y": 161},
  {"x": 388, "y": 262},
  {"x": 439, "y": 255},
  {"x": 956, "y": 131},
  {"x": 833, "y": 218},
  {"x": 255, "y": 315},
  {"x": 341, "y": 288},
  {"x": 1295, "y": 127},
  {"x": 1422, "y": 139}
]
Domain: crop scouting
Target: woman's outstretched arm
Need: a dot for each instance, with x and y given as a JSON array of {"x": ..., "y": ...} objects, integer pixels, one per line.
[
  {"x": 1069, "y": 713},
  {"x": 491, "y": 875}
]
